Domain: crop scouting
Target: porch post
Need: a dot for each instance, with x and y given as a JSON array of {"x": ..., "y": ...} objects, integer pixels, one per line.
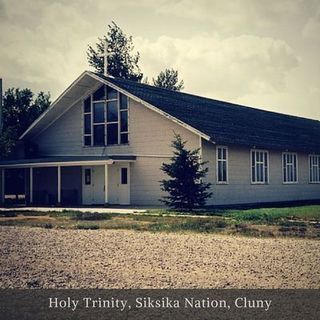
[
  {"x": 2, "y": 186},
  {"x": 59, "y": 185},
  {"x": 106, "y": 189},
  {"x": 31, "y": 185}
]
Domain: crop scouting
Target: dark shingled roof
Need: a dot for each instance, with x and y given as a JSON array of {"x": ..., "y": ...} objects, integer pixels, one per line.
[{"x": 228, "y": 123}]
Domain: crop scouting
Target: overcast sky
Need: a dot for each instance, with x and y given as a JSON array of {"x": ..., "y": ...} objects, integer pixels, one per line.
[{"x": 264, "y": 54}]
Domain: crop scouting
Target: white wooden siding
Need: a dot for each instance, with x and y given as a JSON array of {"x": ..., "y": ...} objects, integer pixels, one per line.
[
  {"x": 145, "y": 177},
  {"x": 240, "y": 190},
  {"x": 150, "y": 134},
  {"x": 150, "y": 138}
]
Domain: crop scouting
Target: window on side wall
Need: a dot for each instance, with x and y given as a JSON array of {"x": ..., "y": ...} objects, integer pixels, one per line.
[
  {"x": 289, "y": 167},
  {"x": 222, "y": 164},
  {"x": 314, "y": 168},
  {"x": 259, "y": 167}
]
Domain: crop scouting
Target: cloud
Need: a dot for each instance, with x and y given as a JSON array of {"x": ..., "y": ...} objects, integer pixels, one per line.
[
  {"x": 3, "y": 13},
  {"x": 234, "y": 16},
  {"x": 43, "y": 45},
  {"x": 253, "y": 52},
  {"x": 311, "y": 29},
  {"x": 221, "y": 67}
]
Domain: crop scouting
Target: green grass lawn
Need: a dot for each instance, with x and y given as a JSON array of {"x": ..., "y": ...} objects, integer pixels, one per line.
[
  {"x": 303, "y": 222},
  {"x": 273, "y": 215}
]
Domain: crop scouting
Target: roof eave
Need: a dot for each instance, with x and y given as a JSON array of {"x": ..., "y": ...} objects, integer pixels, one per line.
[{"x": 33, "y": 124}]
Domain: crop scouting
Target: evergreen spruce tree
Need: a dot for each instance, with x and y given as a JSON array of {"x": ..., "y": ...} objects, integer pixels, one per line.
[{"x": 186, "y": 188}]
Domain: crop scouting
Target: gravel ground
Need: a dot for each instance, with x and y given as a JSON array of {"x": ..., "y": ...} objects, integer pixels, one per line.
[{"x": 42, "y": 258}]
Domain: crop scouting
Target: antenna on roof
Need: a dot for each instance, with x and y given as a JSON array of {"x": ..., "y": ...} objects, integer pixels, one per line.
[{"x": 105, "y": 57}]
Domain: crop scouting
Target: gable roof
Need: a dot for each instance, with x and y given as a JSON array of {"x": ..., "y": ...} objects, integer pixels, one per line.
[
  {"x": 218, "y": 121},
  {"x": 229, "y": 123}
]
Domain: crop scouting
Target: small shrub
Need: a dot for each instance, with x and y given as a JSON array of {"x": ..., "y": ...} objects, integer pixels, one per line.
[
  {"x": 87, "y": 226},
  {"x": 302, "y": 230},
  {"x": 91, "y": 216},
  {"x": 196, "y": 225},
  {"x": 221, "y": 224},
  {"x": 8, "y": 214},
  {"x": 246, "y": 230},
  {"x": 293, "y": 228},
  {"x": 316, "y": 225},
  {"x": 294, "y": 231},
  {"x": 266, "y": 233},
  {"x": 293, "y": 224},
  {"x": 32, "y": 213},
  {"x": 284, "y": 229}
]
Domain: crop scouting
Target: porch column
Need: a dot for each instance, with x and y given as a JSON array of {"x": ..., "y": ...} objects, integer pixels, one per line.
[
  {"x": 106, "y": 189},
  {"x": 59, "y": 185},
  {"x": 2, "y": 186},
  {"x": 31, "y": 185}
]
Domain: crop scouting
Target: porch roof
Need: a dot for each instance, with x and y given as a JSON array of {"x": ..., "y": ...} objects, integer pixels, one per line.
[{"x": 66, "y": 161}]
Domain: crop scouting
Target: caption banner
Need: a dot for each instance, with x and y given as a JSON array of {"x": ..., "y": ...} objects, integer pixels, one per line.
[{"x": 159, "y": 304}]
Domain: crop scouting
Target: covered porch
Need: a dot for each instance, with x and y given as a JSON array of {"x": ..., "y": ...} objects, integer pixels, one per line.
[{"x": 66, "y": 181}]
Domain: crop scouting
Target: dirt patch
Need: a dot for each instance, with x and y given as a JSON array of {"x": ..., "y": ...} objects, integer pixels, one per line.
[{"x": 42, "y": 258}]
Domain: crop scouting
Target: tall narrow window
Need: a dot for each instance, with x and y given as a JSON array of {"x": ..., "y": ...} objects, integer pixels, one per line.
[
  {"x": 98, "y": 124},
  {"x": 124, "y": 130},
  {"x": 222, "y": 164},
  {"x": 87, "y": 176},
  {"x": 112, "y": 122},
  {"x": 259, "y": 167},
  {"x": 124, "y": 175},
  {"x": 87, "y": 134},
  {"x": 314, "y": 168},
  {"x": 289, "y": 167}
]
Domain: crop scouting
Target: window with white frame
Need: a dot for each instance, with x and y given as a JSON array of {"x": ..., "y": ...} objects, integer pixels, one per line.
[
  {"x": 105, "y": 118},
  {"x": 222, "y": 164},
  {"x": 314, "y": 168},
  {"x": 289, "y": 167},
  {"x": 87, "y": 133},
  {"x": 259, "y": 166}
]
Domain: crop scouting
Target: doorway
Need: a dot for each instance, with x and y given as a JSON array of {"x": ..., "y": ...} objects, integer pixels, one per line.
[
  {"x": 93, "y": 185},
  {"x": 119, "y": 184}
]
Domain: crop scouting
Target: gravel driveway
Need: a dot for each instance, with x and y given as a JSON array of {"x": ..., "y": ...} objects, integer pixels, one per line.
[{"x": 34, "y": 257}]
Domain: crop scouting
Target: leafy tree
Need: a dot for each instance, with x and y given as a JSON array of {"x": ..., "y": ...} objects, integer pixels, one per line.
[
  {"x": 168, "y": 79},
  {"x": 185, "y": 187},
  {"x": 122, "y": 62},
  {"x": 20, "y": 109}
]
